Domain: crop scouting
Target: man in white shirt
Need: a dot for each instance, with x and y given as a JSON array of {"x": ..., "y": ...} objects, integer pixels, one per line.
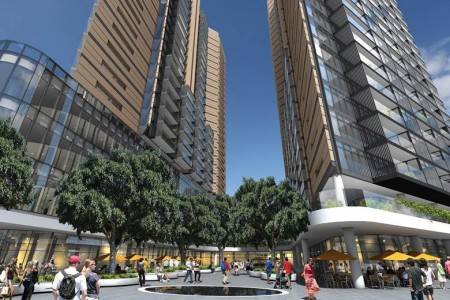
[
  {"x": 80, "y": 280},
  {"x": 189, "y": 266}
]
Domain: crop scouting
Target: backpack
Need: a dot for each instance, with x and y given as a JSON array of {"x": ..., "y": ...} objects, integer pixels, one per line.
[
  {"x": 223, "y": 267},
  {"x": 67, "y": 288}
]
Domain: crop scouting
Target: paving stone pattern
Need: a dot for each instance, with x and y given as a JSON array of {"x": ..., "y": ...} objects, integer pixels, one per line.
[{"x": 297, "y": 292}]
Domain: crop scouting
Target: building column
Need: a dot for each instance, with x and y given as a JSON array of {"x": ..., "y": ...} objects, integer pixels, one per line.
[
  {"x": 447, "y": 246},
  {"x": 305, "y": 250},
  {"x": 297, "y": 257},
  {"x": 350, "y": 243},
  {"x": 416, "y": 244},
  {"x": 339, "y": 190}
]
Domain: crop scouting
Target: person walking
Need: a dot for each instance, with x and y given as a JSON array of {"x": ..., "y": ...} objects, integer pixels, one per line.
[
  {"x": 440, "y": 274},
  {"x": 197, "y": 273},
  {"x": 141, "y": 271},
  {"x": 415, "y": 281},
  {"x": 189, "y": 266},
  {"x": 92, "y": 281},
  {"x": 268, "y": 267},
  {"x": 226, "y": 269},
  {"x": 429, "y": 278},
  {"x": 310, "y": 282},
  {"x": 288, "y": 269},
  {"x": 29, "y": 279},
  {"x": 69, "y": 283},
  {"x": 447, "y": 267},
  {"x": 11, "y": 271}
]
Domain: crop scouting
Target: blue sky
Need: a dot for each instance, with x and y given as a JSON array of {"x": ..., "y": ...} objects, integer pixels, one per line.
[{"x": 253, "y": 135}]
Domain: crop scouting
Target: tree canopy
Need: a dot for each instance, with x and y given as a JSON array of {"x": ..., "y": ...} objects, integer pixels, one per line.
[
  {"x": 269, "y": 212},
  {"x": 112, "y": 196},
  {"x": 16, "y": 168}
]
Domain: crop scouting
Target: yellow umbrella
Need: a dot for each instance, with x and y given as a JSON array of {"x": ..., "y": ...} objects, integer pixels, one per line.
[
  {"x": 135, "y": 257},
  {"x": 382, "y": 255},
  {"x": 178, "y": 258},
  {"x": 102, "y": 257},
  {"x": 121, "y": 258},
  {"x": 397, "y": 256},
  {"x": 167, "y": 257},
  {"x": 334, "y": 255},
  {"x": 427, "y": 257}
]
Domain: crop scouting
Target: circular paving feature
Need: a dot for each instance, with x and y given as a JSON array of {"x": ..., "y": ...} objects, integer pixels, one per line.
[{"x": 213, "y": 291}]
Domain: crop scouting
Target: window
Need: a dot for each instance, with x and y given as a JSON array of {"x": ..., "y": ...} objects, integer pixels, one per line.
[
  {"x": 8, "y": 108},
  {"x": 19, "y": 82}
]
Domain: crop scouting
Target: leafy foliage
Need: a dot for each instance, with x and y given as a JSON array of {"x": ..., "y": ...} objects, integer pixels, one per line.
[
  {"x": 187, "y": 220},
  {"x": 115, "y": 196},
  {"x": 269, "y": 213},
  {"x": 224, "y": 209},
  {"x": 15, "y": 168},
  {"x": 427, "y": 210}
]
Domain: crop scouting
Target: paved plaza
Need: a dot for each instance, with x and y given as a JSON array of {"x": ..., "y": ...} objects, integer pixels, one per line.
[{"x": 297, "y": 292}]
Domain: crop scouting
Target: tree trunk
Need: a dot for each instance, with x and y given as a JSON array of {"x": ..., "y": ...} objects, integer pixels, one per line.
[
  {"x": 182, "y": 250},
  {"x": 221, "y": 254},
  {"x": 112, "y": 257}
]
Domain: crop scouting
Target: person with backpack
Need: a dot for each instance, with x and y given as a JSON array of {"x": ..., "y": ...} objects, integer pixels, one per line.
[
  {"x": 268, "y": 268},
  {"x": 69, "y": 284},
  {"x": 225, "y": 267}
]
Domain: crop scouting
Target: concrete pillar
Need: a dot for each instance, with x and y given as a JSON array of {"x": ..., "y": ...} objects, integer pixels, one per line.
[
  {"x": 350, "y": 243},
  {"x": 297, "y": 257},
  {"x": 339, "y": 190},
  {"x": 416, "y": 244},
  {"x": 447, "y": 246},
  {"x": 305, "y": 251}
]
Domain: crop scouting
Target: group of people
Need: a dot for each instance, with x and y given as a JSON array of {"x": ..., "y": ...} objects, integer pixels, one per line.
[
  {"x": 192, "y": 266},
  {"x": 283, "y": 269},
  {"x": 70, "y": 283},
  {"x": 27, "y": 276}
]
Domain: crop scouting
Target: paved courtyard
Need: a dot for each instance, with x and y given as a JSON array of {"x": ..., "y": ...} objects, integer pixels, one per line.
[{"x": 297, "y": 292}]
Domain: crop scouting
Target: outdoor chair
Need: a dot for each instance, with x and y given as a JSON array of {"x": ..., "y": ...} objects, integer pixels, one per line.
[
  {"x": 376, "y": 281},
  {"x": 330, "y": 282},
  {"x": 389, "y": 281},
  {"x": 346, "y": 281}
]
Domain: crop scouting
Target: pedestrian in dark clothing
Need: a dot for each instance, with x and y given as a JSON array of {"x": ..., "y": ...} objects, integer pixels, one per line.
[
  {"x": 416, "y": 276},
  {"x": 30, "y": 277},
  {"x": 141, "y": 271}
]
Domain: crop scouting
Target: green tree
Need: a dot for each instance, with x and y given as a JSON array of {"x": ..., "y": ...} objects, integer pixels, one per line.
[
  {"x": 188, "y": 220},
  {"x": 16, "y": 168},
  {"x": 110, "y": 196},
  {"x": 224, "y": 209},
  {"x": 270, "y": 213}
]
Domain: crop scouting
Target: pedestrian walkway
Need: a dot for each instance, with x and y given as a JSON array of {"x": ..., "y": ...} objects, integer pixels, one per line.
[{"x": 297, "y": 292}]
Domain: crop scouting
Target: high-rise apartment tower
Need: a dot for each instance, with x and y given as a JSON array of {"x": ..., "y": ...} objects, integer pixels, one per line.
[
  {"x": 365, "y": 136},
  {"x": 141, "y": 60}
]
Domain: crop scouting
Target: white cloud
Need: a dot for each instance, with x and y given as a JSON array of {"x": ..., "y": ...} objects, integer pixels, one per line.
[{"x": 437, "y": 58}]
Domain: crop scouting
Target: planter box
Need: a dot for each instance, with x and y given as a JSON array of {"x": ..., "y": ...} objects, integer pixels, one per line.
[
  {"x": 43, "y": 287},
  {"x": 205, "y": 271},
  {"x": 151, "y": 277},
  {"x": 173, "y": 275},
  {"x": 119, "y": 282},
  {"x": 254, "y": 274},
  {"x": 182, "y": 273}
]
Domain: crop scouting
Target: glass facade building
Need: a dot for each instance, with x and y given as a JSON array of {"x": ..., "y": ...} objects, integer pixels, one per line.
[
  {"x": 139, "y": 82},
  {"x": 363, "y": 127},
  {"x": 60, "y": 120}
]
